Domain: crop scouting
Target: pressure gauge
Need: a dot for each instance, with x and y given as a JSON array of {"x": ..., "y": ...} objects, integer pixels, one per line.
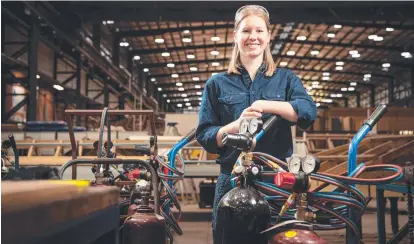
[
  {"x": 310, "y": 164},
  {"x": 255, "y": 125},
  {"x": 294, "y": 164},
  {"x": 244, "y": 126}
]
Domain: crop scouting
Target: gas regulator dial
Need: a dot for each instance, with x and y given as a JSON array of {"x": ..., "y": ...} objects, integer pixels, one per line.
[
  {"x": 244, "y": 126},
  {"x": 310, "y": 164},
  {"x": 294, "y": 164},
  {"x": 255, "y": 125}
]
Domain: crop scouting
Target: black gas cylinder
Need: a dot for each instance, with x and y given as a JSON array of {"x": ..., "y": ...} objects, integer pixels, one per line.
[{"x": 241, "y": 215}]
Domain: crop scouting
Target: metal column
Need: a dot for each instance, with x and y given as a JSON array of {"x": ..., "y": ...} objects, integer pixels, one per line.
[
  {"x": 78, "y": 87},
  {"x": 115, "y": 50},
  {"x": 391, "y": 91},
  {"x": 106, "y": 93},
  {"x": 33, "y": 51},
  {"x": 372, "y": 96}
]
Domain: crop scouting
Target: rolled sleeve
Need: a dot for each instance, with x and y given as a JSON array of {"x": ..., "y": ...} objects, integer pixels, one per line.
[
  {"x": 301, "y": 102},
  {"x": 209, "y": 123}
]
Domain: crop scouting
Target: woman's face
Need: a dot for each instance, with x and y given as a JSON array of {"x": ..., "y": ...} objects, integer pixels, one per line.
[{"x": 252, "y": 37}]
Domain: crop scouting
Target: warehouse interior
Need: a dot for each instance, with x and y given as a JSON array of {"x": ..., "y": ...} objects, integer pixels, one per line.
[{"x": 100, "y": 102}]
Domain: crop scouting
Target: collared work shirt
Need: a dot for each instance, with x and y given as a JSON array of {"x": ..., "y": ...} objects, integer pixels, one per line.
[{"x": 225, "y": 97}]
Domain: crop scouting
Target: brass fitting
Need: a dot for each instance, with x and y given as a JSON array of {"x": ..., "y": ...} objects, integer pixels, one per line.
[{"x": 301, "y": 210}]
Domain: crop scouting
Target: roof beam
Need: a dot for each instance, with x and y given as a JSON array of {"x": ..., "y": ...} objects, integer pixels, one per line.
[
  {"x": 372, "y": 25},
  {"x": 192, "y": 90},
  {"x": 141, "y": 33},
  {"x": 154, "y": 65},
  {"x": 161, "y": 50}
]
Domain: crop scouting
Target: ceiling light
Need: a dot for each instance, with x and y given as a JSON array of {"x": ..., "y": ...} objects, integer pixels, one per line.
[
  {"x": 315, "y": 83},
  {"x": 212, "y": 74},
  {"x": 165, "y": 54},
  {"x": 406, "y": 55},
  {"x": 325, "y": 78},
  {"x": 164, "y": 95},
  {"x": 315, "y": 86},
  {"x": 186, "y": 31},
  {"x": 353, "y": 52},
  {"x": 58, "y": 87},
  {"x": 196, "y": 78},
  {"x": 110, "y": 22},
  {"x": 123, "y": 44},
  {"x": 326, "y": 74},
  {"x": 314, "y": 52},
  {"x": 197, "y": 86},
  {"x": 170, "y": 65},
  {"x": 214, "y": 53},
  {"x": 318, "y": 104},
  {"x": 179, "y": 105},
  {"x": 199, "y": 93},
  {"x": 333, "y": 95},
  {"x": 186, "y": 39},
  {"x": 353, "y": 84},
  {"x": 159, "y": 40},
  {"x": 174, "y": 75},
  {"x": 386, "y": 65},
  {"x": 168, "y": 101},
  {"x": 159, "y": 89},
  {"x": 389, "y": 29},
  {"x": 186, "y": 100},
  {"x": 37, "y": 76},
  {"x": 367, "y": 76},
  {"x": 188, "y": 104},
  {"x": 183, "y": 95},
  {"x": 356, "y": 55},
  {"x": 290, "y": 53},
  {"x": 180, "y": 88},
  {"x": 385, "y": 69},
  {"x": 378, "y": 38},
  {"x": 301, "y": 38},
  {"x": 190, "y": 56},
  {"x": 339, "y": 68},
  {"x": 193, "y": 68},
  {"x": 283, "y": 64},
  {"x": 199, "y": 98},
  {"x": 338, "y": 95},
  {"x": 372, "y": 37},
  {"x": 351, "y": 88},
  {"x": 136, "y": 57},
  {"x": 199, "y": 103},
  {"x": 344, "y": 89},
  {"x": 190, "y": 107},
  {"x": 339, "y": 63},
  {"x": 215, "y": 64},
  {"x": 153, "y": 79},
  {"x": 331, "y": 35},
  {"x": 145, "y": 69},
  {"x": 179, "y": 84},
  {"x": 215, "y": 38},
  {"x": 337, "y": 26},
  {"x": 309, "y": 88}
]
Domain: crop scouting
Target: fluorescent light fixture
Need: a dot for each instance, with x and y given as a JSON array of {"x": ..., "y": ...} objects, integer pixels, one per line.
[
  {"x": 196, "y": 78},
  {"x": 159, "y": 89},
  {"x": 314, "y": 52},
  {"x": 353, "y": 52},
  {"x": 339, "y": 63},
  {"x": 367, "y": 76},
  {"x": 186, "y": 100},
  {"x": 301, "y": 38},
  {"x": 165, "y": 54},
  {"x": 331, "y": 35},
  {"x": 283, "y": 64},
  {"x": 290, "y": 53},
  {"x": 406, "y": 55},
  {"x": 191, "y": 56},
  {"x": 386, "y": 65},
  {"x": 168, "y": 101},
  {"x": 164, "y": 95},
  {"x": 199, "y": 93},
  {"x": 145, "y": 69},
  {"x": 389, "y": 29},
  {"x": 179, "y": 84},
  {"x": 315, "y": 82},
  {"x": 186, "y": 31},
  {"x": 58, "y": 87},
  {"x": 325, "y": 78},
  {"x": 215, "y": 38},
  {"x": 378, "y": 38},
  {"x": 183, "y": 95},
  {"x": 187, "y": 104},
  {"x": 180, "y": 88},
  {"x": 153, "y": 79},
  {"x": 351, "y": 88},
  {"x": 170, "y": 65},
  {"x": 215, "y": 64},
  {"x": 174, "y": 75},
  {"x": 339, "y": 68},
  {"x": 356, "y": 55},
  {"x": 159, "y": 40},
  {"x": 214, "y": 53},
  {"x": 193, "y": 69},
  {"x": 353, "y": 84},
  {"x": 337, "y": 26},
  {"x": 326, "y": 74},
  {"x": 344, "y": 89},
  {"x": 136, "y": 57},
  {"x": 186, "y": 39},
  {"x": 179, "y": 105},
  {"x": 37, "y": 76},
  {"x": 372, "y": 37},
  {"x": 197, "y": 86}
]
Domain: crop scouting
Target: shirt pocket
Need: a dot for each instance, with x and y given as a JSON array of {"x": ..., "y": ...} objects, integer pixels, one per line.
[
  {"x": 231, "y": 106},
  {"x": 274, "y": 95}
]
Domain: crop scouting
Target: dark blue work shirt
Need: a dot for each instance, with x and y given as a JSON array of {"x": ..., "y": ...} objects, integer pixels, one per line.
[{"x": 227, "y": 95}]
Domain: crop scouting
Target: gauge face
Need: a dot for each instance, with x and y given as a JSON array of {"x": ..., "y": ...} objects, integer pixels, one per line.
[
  {"x": 309, "y": 164},
  {"x": 244, "y": 126},
  {"x": 294, "y": 164},
  {"x": 255, "y": 125}
]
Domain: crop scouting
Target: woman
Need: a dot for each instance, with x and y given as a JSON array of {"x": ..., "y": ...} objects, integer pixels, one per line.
[{"x": 252, "y": 87}]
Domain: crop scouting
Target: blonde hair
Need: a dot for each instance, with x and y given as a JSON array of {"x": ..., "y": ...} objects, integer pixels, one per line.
[{"x": 241, "y": 14}]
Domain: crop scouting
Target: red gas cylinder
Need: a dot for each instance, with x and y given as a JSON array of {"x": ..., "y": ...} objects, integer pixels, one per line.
[
  {"x": 144, "y": 227},
  {"x": 296, "y": 236}
]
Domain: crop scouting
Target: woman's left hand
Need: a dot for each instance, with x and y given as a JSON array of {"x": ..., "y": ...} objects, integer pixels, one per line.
[{"x": 261, "y": 104}]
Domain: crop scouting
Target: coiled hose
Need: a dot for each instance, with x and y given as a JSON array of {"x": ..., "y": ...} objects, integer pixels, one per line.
[
  {"x": 169, "y": 175},
  {"x": 331, "y": 208}
]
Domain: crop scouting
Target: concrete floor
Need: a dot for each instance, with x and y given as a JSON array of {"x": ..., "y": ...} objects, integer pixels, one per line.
[{"x": 196, "y": 225}]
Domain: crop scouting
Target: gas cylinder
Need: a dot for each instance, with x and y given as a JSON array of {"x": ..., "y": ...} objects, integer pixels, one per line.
[
  {"x": 144, "y": 226},
  {"x": 297, "y": 236},
  {"x": 242, "y": 214}
]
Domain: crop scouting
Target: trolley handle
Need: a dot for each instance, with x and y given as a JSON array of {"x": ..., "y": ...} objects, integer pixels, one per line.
[
  {"x": 191, "y": 135},
  {"x": 376, "y": 115},
  {"x": 270, "y": 122}
]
